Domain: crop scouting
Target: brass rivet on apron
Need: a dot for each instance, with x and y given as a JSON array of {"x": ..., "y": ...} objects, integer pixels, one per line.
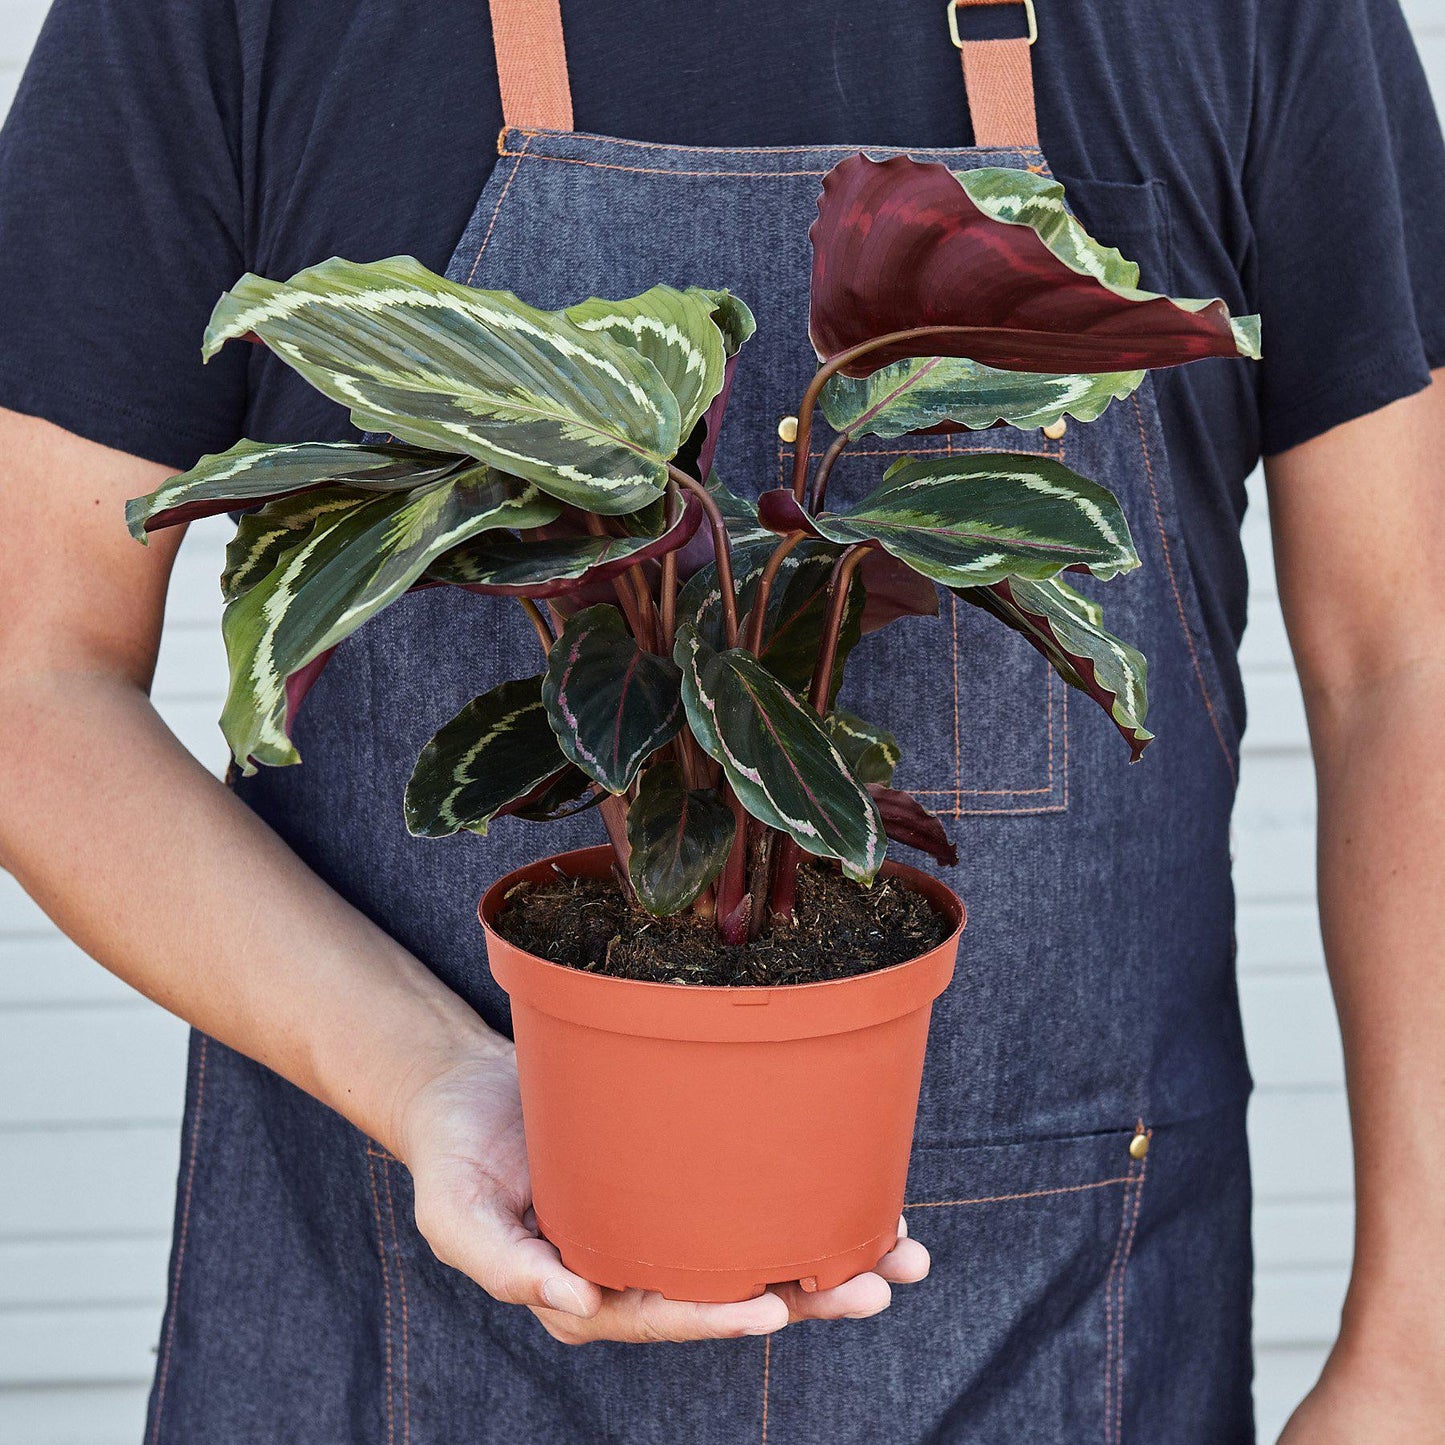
[
  {"x": 788, "y": 429},
  {"x": 1138, "y": 1146},
  {"x": 1055, "y": 430}
]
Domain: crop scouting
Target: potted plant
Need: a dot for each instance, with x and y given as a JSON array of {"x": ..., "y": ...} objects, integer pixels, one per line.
[{"x": 720, "y": 1014}]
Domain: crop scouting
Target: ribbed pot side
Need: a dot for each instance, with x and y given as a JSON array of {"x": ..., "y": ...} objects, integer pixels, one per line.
[{"x": 708, "y": 1142}]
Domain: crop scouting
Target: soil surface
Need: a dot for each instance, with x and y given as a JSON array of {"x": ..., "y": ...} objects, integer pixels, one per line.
[{"x": 840, "y": 930}]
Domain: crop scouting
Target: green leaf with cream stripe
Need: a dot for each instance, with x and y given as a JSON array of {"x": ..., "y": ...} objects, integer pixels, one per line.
[
  {"x": 675, "y": 331},
  {"x": 611, "y": 704},
  {"x": 345, "y": 569},
  {"x": 926, "y": 392},
  {"x": 263, "y": 535},
  {"x": 588, "y": 419},
  {"x": 976, "y": 519},
  {"x": 777, "y": 757},
  {"x": 871, "y": 751},
  {"x": 251, "y": 472},
  {"x": 1069, "y": 630},
  {"x": 496, "y": 752}
]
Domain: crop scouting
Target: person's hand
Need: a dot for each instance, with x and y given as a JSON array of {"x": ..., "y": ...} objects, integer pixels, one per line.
[{"x": 461, "y": 1137}]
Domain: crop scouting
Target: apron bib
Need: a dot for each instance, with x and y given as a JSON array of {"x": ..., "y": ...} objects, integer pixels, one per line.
[{"x": 1094, "y": 1001}]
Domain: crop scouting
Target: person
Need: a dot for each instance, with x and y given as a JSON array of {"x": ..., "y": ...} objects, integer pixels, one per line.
[{"x": 354, "y": 1258}]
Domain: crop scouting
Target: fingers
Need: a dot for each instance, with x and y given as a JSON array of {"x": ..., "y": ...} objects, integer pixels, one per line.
[
  {"x": 510, "y": 1262},
  {"x": 643, "y": 1317},
  {"x": 862, "y": 1296}
]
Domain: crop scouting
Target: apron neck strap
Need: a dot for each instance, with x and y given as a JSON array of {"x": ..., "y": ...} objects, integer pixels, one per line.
[
  {"x": 999, "y": 78},
  {"x": 532, "y": 64},
  {"x": 536, "y": 93}
]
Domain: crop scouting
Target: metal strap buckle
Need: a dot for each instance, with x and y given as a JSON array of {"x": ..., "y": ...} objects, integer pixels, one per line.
[{"x": 951, "y": 10}]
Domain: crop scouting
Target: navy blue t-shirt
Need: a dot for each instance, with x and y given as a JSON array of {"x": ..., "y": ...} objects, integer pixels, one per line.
[{"x": 159, "y": 148}]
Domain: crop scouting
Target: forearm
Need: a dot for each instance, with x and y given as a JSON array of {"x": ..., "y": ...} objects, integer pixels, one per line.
[
  {"x": 1382, "y": 861},
  {"x": 160, "y": 873}
]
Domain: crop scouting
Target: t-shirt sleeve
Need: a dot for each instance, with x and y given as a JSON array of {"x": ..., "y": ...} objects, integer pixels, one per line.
[
  {"x": 121, "y": 222},
  {"x": 1345, "y": 182}
]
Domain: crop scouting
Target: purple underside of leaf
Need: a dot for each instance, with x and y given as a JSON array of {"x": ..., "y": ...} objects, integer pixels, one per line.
[
  {"x": 712, "y": 420},
  {"x": 899, "y": 244},
  {"x": 301, "y": 682},
  {"x": 779, "y": 511},
  {"x": 907, "y": 821},
  {"x": 892, "y": 589}
]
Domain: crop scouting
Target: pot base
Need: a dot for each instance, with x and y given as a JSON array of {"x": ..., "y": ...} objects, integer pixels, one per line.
[{"x": 716, "y": 1286}]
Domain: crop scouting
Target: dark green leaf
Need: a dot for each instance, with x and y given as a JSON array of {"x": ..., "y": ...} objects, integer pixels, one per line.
[
  {"x": 679, "y": 839},
  {"x": 497, "y": 751},
  {"x": 611, "y": 704},
  {"x": 1068, "y": 630},
  {"x": 872, "y": 752},
  {"x": 977, "y": 519},
  {"x": 777, "y": 757}
]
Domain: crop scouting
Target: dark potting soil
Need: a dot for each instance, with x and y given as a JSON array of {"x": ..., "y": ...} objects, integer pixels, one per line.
[{"x": 840, "y": 929}]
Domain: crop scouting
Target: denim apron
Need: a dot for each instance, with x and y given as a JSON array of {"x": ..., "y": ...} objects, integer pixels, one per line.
[{"x": 1079, "y": 1174}]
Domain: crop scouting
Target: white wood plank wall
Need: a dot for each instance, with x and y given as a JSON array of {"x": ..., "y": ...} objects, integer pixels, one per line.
[{"x": 91, "y": 1074}]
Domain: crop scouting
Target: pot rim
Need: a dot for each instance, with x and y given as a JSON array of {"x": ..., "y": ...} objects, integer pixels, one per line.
[{"x": 717, "y": 1012}]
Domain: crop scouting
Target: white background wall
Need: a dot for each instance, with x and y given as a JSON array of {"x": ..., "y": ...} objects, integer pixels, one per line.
[{"x": 91, "y": 1074}]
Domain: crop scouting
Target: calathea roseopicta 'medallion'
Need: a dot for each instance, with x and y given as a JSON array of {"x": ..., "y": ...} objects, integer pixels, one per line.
[{"x": 691, "y": 643}]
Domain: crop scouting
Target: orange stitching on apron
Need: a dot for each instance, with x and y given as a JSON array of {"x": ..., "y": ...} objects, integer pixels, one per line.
[
  {"x": 650, "y": 145},
  {"x": 1109, "y": 1311},
  {"x": 1031, "y": 1194},
  {"x": 405, "y": 1330},
  {"x": 767, "y": 1372},
  {"x": 1178, "y": 600},
  {"x": 1118, "y": 1423},
  {"x": 182, "y": 1237},
  {"x": 497, "y": 209},
  {"x": 386, "y": 1281}
]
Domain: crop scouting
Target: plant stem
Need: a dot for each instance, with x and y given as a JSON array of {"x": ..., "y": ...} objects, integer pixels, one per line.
[
  {"x": 831, "y": 368},
  {"x": 839, "y": 585},
  {"x": 667, "y": 591},
  {"x": 819, "y": 489},
  {"x": 534, "y": 616},
  {"x": 721, "y": 547},
  {"x": 764, "y": 589},
  {"x": 783, "y": 893},
  {"x": 621, "y": 586}
]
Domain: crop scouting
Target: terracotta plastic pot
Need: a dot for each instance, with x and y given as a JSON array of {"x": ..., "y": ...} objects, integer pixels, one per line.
[{"x": 708, "y": 1142}]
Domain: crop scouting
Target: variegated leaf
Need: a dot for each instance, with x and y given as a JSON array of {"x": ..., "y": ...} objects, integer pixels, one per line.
[
  {"x": 504, "y": 565},
  {"x": 797, "y": 616},
  {"x": 907, "y": 821},
  {"x": 496, "y": 753},
  {"x": 611, "y": 704},
  {"x": 346, "y": 568},
  {"x": 679, "y": 839},
  {"x": 567, "y": 792},
  {"x": 585, "y": 418},
  {"x": 871, "y": 751},
  {"x": 991, "y": 261},
  {"x": 777, "y": 757},
  {"x": 1068, "y": 629},
  {"x": 939, "y": 392},
  {"x": 263, "y": 535},
  {"x": 675, "y": 331},
  {"x": 976, "y": 519},
  {"x": 252, "y": 472}
]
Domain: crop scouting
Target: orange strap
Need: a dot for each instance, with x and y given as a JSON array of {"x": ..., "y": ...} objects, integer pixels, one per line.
[
  {"x": 999, "y": 78},
  {"x": 532, "y": 64},
  {"x": 532, "y": 73}
]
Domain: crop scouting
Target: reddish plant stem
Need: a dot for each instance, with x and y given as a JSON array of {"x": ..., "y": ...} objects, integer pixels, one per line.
[
  {"x": 621, "y": 586},
  {"x": 839, "y": 585},
  {"x": 823, "y": 375},
  {"x": 721, "y": 546},
  {"x": 539, "y": 623},
  {"x": 764, "y": 589},
  {"x": 613, "y": 809},
  {"x": 732, "y": 883},
  {"x": 667, "y": 591},
  {"x": 818, "y": 491},
  {"x": 760, "y": 848},
  {"x": 782, "y": 895}
]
